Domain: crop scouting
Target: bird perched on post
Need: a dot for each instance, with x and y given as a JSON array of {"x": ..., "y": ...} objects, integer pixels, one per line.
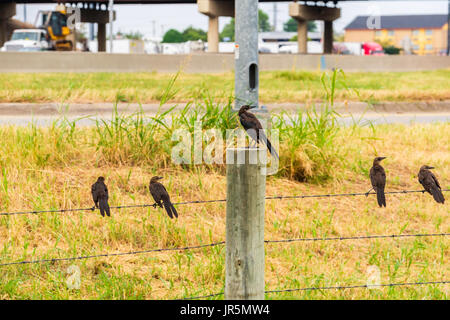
[
  {"x": 159, "y": 194},
  {"x": 430, "y": 183},
  {"x": 378, "y": 180},
  {"x": 100, "y": 196},
  {"x": 254, "y": 128}
]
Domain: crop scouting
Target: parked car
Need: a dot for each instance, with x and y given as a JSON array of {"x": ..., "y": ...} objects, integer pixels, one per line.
[{"x": 372, "y": 49}]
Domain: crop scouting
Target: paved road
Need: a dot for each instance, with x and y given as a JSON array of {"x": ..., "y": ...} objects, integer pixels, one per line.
[
  {"x": 44, "y": 114},
  {"x": 346, "y": 119}
]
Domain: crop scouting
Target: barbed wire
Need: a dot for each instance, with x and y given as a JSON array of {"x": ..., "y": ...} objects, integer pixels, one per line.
[
  {"x": 112, "y": 254},
  {"x": 361, "y": 237},
  {"x": 361, "y": 286},
  {"x": 154, "y": 205},
  {"x": 221, "y": 243},
  {"x": 333, "y": 287}
]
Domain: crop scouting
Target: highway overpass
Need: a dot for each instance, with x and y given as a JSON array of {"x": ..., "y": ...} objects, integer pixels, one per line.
[{"x": 214, "y": 9}]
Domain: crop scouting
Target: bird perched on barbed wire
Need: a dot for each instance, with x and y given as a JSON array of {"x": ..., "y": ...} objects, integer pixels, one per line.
[
  {"x": 378, "y": 180},
  {"x": 430, "y": 183},
  {"x": 254, "y": 128},
  {"x": 100, "y": 196},
  {"x": 161, "y": 197}
]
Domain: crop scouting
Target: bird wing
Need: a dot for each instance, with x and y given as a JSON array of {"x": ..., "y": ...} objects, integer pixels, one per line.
[
  {"x": 94, "y": 192},
  {"x": 106, "y": 192},
  {"x": 158, "y": 191},
  {"x": 435, "y": 179},
  {"x": 378, "y": 177},
  {"x": 249, "y": 121}
]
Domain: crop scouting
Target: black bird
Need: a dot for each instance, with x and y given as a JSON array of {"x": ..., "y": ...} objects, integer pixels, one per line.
[
  {"x": 100, "y": 196},
  {"x": 378, "y": 180},
  {"x": 254, "y": 128},
  {"x": 430, "y": 183},
  {"x": 159, "y": 194}
]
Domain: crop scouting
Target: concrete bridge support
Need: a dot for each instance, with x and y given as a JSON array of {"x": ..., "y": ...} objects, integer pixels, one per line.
[
  {"x": 214, "y": 9},
  {"x": 101, "y": 17},
  {"x": 7, "y": 11},
  {"x": 304, "y": 13}
]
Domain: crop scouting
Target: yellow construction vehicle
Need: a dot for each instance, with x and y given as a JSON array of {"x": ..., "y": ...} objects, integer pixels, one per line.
[{"x": 59, "y": 35}]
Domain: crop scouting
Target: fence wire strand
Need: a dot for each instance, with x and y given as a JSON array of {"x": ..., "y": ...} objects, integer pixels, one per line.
[
  {"x": 112, "y": 254},
  {"x": 211, "y": 201},
  {"x": 334, "y": 287},
  {"x": 222, "y": 243}
]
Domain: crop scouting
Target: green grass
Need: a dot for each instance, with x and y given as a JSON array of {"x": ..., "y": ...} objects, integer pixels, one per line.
[{"x": 275, "y": 86}]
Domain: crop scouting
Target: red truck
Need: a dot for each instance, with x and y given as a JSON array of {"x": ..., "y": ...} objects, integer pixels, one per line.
[{"x": 372, "y": 49}]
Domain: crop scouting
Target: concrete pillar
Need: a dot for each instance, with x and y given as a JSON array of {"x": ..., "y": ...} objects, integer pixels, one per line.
[
  {"x": 328, "y": 37},
  {"x": 213, "y": 34},
  {"x": 215, "y": 9},
  {"x": 303, "y": 13},
  {"x": 101, "y": 37},
  {"x": 302, "y": 36},
  {"x": 7, "y": 10},
  {"x": 101, "y": 17},
  {"x": 3, "y": 32}
]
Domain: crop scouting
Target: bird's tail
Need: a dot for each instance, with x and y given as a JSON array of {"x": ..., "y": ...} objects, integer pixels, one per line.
[
  {"x": 381, "y": 199},
  {"x": 170, "y": 209},
  {"x": 437, "y": 194},
  {"x": 272, "y": 151},
  {"x": 104, "y": 207}
]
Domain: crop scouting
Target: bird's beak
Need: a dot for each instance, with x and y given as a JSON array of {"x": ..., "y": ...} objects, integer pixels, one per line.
[
  {"x": 430, "y": 167},
  {"x": 252, "y": 107},
  {"x": 382, "y": 158},
  {"x": 159, "y": 178}
]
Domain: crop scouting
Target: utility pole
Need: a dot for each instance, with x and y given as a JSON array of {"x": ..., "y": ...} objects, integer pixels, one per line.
[
  {"x": 244, "y": 259},
  {"x": 448, "y": 29},
  {"x": 111, "y": 18},
  {"x": 275, "y": 13},
  {"x": 24, "y": 13},
  {"x": 154, "y": 28},
  {"x": 246, "y": 53}
]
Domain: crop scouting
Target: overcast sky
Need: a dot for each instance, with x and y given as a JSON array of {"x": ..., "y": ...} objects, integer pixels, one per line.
[{"x": 141, "y": 17}]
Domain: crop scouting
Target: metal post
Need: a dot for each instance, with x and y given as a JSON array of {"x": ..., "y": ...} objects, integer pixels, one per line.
[
  {"x": 24, "y": 13},
  {"x": 244, "y": 261},
  {"x": 275, "y": 12},
  {"x": 448, "y": 29},
  {"x": 111, "y": 17},
  {"x": 246, "y": 53}
]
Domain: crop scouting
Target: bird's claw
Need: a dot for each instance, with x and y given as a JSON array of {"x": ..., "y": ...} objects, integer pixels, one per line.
[
  {"x": 93, "y": 208},
  {"x": 367, "y": 194},
  {"x": 154, "y": 205}
]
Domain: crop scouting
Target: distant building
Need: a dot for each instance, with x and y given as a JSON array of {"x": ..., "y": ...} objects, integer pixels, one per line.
[{"x": 416, "y": 34}]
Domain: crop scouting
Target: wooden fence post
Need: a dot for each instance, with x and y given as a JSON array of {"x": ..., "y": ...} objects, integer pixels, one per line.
[{"x": 244, "y": 263}]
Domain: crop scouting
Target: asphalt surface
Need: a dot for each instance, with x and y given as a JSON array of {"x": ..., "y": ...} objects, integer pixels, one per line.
[{"x": 43, "y": 114}]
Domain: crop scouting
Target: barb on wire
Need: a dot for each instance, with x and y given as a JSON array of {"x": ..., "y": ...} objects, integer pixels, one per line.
[
  {"x": 210, "y": 201},
  {"x": 203, "y": 297},
  {"x": 365, "y": 286},
  {"x": 112, "y": 254}
]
